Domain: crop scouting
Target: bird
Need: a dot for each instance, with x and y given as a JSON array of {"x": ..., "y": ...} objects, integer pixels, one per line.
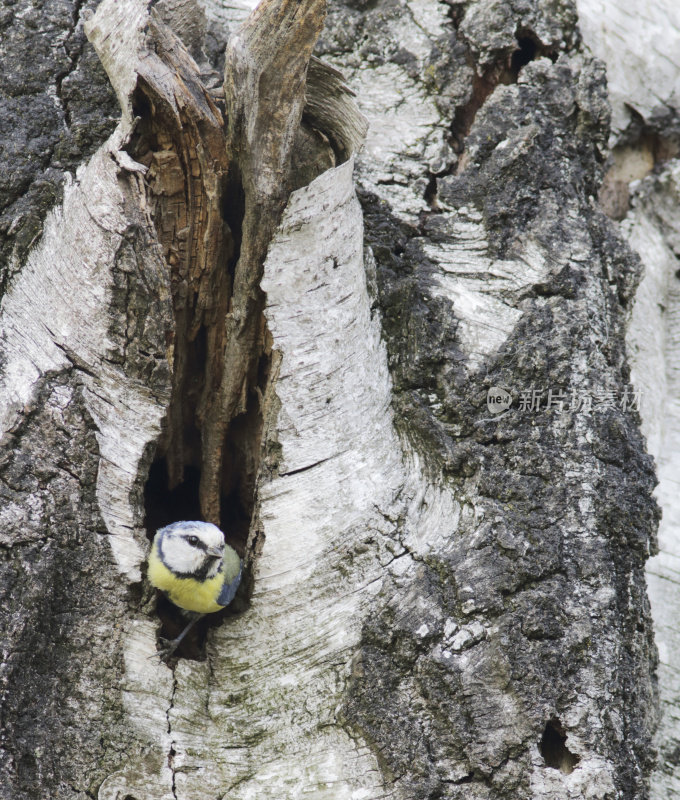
[{"x": 198, "y": 572}]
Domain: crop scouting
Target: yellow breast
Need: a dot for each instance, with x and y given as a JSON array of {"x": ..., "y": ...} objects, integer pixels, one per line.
[{"x": 187, "y": 593}]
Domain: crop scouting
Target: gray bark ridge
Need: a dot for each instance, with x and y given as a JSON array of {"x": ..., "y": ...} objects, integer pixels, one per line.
[{"x": 57, "y": 108}]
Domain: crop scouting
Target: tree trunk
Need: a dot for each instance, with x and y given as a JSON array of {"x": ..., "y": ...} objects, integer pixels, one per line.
[
  {"x": 218, "y": 304},
  {"x": 642, "y": 191}
]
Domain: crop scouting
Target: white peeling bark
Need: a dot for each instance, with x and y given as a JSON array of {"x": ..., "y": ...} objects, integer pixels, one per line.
[
  {"x": 338, "y": 472},
  {"x": 403, "y": 122},
  {"x": 41, "y": 332},
  {"x": 405, "y": 129},
  {"x": 484, "y": 291}
]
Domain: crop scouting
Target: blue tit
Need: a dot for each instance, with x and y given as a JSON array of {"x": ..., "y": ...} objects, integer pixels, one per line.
[{"x": 199, "y": 573}]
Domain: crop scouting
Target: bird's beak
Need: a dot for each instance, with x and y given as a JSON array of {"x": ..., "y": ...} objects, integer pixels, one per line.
[{"x": 215, "y": 552}]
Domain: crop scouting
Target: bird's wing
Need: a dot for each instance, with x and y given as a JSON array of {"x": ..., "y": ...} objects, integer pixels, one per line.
[{"x": 229, "y": 590}]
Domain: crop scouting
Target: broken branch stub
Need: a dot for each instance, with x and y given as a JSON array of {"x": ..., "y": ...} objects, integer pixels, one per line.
[
  {"x": 265, "y": 74},
  {"x": 329, "y": 108}
]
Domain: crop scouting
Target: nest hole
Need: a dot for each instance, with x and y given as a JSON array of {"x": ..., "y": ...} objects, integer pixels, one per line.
[
  {"x": 198, "y": 226},
  {"x": 554, "y": 749},
  {"x": 164, "y": 505},
  {"x": 527, "y": 47}
]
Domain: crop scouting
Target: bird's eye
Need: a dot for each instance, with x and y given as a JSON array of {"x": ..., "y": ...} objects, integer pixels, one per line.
[{"x": 193, "y": 540}]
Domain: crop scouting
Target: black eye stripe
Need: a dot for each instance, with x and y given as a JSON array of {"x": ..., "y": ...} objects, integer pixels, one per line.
[{"x": 197, "y": 543}]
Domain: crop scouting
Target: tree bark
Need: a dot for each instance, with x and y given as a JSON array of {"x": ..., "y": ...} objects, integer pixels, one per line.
[
  {"x": 232, "y": 312},
  {"x": 641, "y": 187}
]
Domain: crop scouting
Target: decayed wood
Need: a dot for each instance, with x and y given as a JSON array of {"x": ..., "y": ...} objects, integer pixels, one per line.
[
  {"x": 264, "y": 86},
  {"x": 181, "y": 139},
  {"x": 216, "y": 194}
]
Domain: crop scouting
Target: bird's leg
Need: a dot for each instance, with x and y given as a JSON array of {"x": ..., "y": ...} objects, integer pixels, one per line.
[{"x": 170, "y": 645}]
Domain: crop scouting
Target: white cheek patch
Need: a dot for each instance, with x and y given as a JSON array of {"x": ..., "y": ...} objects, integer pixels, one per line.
[{"x": 180, "y": 556}]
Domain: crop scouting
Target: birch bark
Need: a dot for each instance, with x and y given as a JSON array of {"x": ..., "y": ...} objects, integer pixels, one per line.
[{"x": 441, "y": 601}]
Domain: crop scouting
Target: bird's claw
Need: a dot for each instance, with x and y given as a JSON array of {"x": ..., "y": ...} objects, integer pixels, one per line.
[{"x": 167, "y": 648}]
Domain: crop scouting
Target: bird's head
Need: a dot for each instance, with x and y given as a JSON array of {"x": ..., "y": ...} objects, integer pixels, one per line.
[{"x": 191, "y": 549}]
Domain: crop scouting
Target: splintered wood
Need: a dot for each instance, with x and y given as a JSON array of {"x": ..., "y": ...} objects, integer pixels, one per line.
[
  {"x": 217, "y": 193},
  {"x": 264, "y": 85}
]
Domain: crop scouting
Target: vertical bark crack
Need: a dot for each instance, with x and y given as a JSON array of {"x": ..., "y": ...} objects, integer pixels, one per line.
[{"x": 172, "y": 752}]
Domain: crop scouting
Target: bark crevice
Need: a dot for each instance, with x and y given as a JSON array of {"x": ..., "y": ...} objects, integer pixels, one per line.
[{"x": 218, "y": 173}]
